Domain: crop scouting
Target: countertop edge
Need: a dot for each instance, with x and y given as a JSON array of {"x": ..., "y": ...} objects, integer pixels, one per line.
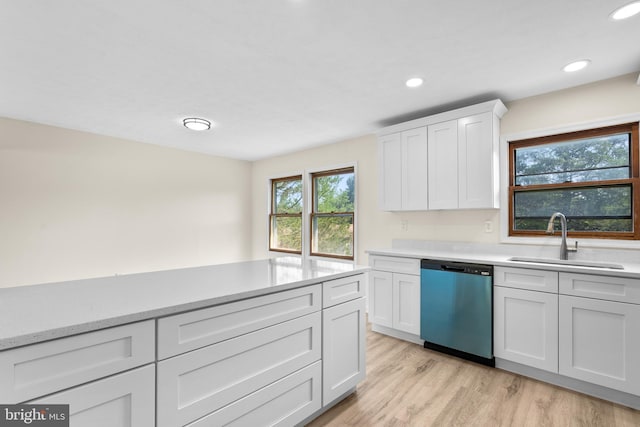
[
  {"x": 109, "y": 322},
  {"x": 630, "y": 271}
]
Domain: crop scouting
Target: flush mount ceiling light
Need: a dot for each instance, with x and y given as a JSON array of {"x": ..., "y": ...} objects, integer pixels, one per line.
[
  {"x": 576, "y": 66},
  {"x": 414, "y": 82},
  {"x": 195, "y": 123},
  {"x": 626, "y": 11}
]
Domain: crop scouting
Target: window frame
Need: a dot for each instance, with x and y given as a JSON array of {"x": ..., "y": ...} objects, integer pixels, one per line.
[
  {"x": 272, "y": 215},
  {"x": 633, "y": 180},
  {"x": 313, "y": 213}
]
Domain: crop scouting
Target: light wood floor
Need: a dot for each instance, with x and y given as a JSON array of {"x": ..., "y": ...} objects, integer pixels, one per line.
[{"x": 407, "y": 385}]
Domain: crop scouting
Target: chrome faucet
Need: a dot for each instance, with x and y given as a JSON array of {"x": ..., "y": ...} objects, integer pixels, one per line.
[{"x": 564, "y": 251}]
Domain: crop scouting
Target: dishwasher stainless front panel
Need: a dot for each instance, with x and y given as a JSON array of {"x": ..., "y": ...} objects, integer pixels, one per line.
[{"x": 456, "y": 309}]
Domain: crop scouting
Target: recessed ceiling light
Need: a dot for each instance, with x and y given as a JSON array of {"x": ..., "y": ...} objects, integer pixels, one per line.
[
  {"x": 414, "y": 82},
  {"x": 195, "y": 123},
  {"x": 626, "y": 11},
  {"x": 576, "y": 66}
]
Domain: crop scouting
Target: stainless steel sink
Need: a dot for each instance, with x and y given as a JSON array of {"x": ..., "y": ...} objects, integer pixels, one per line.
[{"x": 568, "y": 262}]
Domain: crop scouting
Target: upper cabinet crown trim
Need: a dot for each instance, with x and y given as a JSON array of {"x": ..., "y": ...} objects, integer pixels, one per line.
[{"x": 495, "y": 106}]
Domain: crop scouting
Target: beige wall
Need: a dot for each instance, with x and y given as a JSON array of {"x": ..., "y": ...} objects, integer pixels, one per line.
[
  {"x": 580, "y": 105},
  {"x": 77, "y": 205},
  {"x": 375, "y": 228}
]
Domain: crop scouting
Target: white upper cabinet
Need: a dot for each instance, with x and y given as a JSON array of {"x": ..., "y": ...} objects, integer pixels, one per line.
[
  {"x": 403, "y": 172},
  {"x": 443, "y": 165},
  {"x": 390, "y": 174},
  {"x": 478, "y": 167},
  {"x": 445, "y": 161}
]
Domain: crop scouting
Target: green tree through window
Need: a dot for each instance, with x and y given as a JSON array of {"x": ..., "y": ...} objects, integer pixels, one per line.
[
  {"x": 590, "y": 176},
  {"x": 332, "y": 215},
  {"x": 285, "y": 220}
]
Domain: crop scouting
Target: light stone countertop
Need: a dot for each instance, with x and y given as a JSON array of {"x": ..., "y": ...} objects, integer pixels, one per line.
[
  {"x": 500, "y": 255},
  {"x": 31, "y": 314}
]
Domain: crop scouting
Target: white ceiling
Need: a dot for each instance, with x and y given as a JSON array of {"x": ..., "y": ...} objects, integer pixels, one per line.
[{"x": 278, "y": 76}]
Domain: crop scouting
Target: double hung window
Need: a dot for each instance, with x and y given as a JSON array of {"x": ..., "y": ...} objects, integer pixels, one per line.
[
  {"x": 332, "y": 213},
  {"x": 322, "y": 227},
  {"x": 285, "y": 220},
  {"x": 590, "y": 176}
]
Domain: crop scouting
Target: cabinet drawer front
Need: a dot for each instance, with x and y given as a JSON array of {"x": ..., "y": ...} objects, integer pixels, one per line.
[
  {"x": 297, "y": 396},
  {"x": 601, "y": 287},
  {"x": 526, "y": 278},
  {"x": 122, "y": 400},
  {"x": 189, "y": 331},
  {"x": 39, "y": 369},
  {"x": 198, "y": 383},
  {"x": 342, "y": 290},
  {"x": 395, "y": 264}
]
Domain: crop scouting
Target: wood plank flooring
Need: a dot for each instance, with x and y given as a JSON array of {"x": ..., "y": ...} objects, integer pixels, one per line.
[{"x": 407, "y": 385}]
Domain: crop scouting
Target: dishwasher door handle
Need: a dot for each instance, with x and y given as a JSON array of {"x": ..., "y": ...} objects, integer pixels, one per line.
[{"x": 452, "y": 268}]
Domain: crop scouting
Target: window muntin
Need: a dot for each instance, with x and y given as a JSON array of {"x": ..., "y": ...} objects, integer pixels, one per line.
[
  {"x": 591, "y": 159},
  {"x": 590, "y": 176},
  {"x": 285, "y": 220},
  {"x": 332, "y": 213}
]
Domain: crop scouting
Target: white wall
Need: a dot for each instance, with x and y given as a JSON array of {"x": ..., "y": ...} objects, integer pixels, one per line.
[
  {"x": 77, "y": 205},
  {"x": 584, "y": 104}
]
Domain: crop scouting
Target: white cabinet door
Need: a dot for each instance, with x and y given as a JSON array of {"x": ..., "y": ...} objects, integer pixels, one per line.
[
  {"x": 390, "y": 160},
  {"x": 477, "y": 162},
  {"x": 381, "y": 298},
  {"x": 600, "y": 342},
  {"x": 526, "y": 327},
  {"x": 406, "y": 303},
  {"x": 403, "y": 170},
  {"x": 343, "y": 348},
  {"x": 443, "y": 165},
  {"x": 414, "y": 169},
  {"x": 122, "y": 400}
]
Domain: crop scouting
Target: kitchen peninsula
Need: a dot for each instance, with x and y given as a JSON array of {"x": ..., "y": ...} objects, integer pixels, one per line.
[{"x": 195, "y": 346}]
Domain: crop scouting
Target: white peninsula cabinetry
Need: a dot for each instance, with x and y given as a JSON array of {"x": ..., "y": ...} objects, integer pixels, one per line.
[
  {"x": 231, "y": 352},
  {"x": 266, "y": 360},
  {"x": 394, "y": 296},
  {"x": 445, "y": 161},
  {"x": 584, "y": 329}
]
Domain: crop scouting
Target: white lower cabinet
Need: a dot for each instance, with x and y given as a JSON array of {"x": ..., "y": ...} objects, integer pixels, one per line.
[
  {"x": 122, "y": 400},
  {"x": 343, "y": 348},
  {"x": 406, "y": 303},
  {"x": 600, "y": 342},
  {"x": 526, "y": 327},
  {"x": 381, "y": 298},
  {"x": 394, "y": 296},
  {"x": 394, "y": 301},
  {"x": 198, "y": 383}
]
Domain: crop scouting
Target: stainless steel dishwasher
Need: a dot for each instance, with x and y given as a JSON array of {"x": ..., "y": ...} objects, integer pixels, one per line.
[{"x": 456, "y": 309}]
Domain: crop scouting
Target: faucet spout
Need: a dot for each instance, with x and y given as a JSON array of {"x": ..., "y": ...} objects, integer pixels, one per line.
[{"x": 564, "y": 252}]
